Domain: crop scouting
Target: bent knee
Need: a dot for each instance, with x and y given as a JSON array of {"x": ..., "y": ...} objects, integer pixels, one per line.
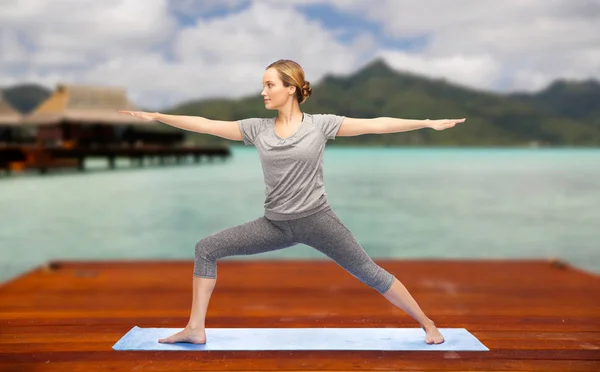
[{"x": 204, "y": 251}]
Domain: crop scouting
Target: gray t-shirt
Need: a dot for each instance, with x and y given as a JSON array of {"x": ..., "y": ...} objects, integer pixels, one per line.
[{"x": 292, "y": 167}]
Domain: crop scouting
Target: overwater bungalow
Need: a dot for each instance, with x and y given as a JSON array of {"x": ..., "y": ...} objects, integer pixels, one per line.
[
  {"x": 77, "y": 122},
  {"x": 81, "y": 115}
]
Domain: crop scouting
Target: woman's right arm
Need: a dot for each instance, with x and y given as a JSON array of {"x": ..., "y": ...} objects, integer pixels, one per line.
[{"x": 225, "y": 129}]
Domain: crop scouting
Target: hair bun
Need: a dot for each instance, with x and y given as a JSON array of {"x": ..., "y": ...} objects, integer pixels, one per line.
[{"x": 306, "y": 89}]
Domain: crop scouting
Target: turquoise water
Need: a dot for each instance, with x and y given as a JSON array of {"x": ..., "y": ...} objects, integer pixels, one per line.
[{"x": 399, "y": 203}]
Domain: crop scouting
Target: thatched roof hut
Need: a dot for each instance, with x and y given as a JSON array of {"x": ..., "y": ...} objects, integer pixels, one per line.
[
  {"x": 85, "y": 105},
  {"x": 88, "y": 116}
]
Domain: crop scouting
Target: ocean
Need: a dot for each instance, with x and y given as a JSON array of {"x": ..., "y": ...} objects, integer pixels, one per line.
[{"x": 401, "y": 203}]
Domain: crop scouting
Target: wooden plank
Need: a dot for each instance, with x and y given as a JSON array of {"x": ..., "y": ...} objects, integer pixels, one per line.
[
  {"x": 27, "y": 346},
  {"x": 533, "y": 315},
  {"x": 474, "y": 324},
  {"x": 493, "y": 355},
  {"x": 193, "y": 362}
]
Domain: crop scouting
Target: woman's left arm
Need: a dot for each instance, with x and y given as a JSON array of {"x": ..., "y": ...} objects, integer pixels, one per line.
[{"x": 383, "y": 125}]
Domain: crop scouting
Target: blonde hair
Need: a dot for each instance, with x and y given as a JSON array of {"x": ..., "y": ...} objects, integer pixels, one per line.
[{"x": 292, "y": 74}]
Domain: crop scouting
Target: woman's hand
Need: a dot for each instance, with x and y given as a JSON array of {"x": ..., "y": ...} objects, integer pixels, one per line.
[
  {"x": 444, "y": 123},
  {"x": 141, "y": 114}
]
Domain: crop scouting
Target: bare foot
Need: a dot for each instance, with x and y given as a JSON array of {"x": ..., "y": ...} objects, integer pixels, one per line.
[
  {"x": 432, "y": 334},
  {"x": 192, "y": 336}
]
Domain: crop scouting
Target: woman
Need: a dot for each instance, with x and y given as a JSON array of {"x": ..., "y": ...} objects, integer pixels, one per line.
[{"x": 291, "y": 148}]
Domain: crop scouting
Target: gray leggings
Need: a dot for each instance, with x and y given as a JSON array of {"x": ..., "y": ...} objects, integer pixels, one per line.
[{"x": 323, "y": 231}]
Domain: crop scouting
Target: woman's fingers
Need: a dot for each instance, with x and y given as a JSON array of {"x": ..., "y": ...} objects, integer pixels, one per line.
[
  {"x": 453, "y": 122},
  {"x": 138, "y": 114},
  {"x": 447, "y": 123}
]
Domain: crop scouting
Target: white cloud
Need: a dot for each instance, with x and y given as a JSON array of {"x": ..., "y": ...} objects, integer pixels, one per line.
[
  {"x": 474, "y": 71},
  {"x": 216, "y": 57},
  {"x": 261, "y": 35},
  {"x": 195, "y": 8},
  {"x": 12, "y": 52},
  {"x": 514, "y": 45},
  {"x": 98, "y": 27},
  {"x": 535, "y": 38},
  {"x": 227, "y": 56}
]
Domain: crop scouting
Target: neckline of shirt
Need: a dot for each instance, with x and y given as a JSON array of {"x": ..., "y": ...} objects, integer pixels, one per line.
[{"x": 293, "y": 135}]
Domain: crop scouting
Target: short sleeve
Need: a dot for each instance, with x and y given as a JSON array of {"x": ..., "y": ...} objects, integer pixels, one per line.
[
  {"x": 328, "y": 124},
  {"x": 250, "y": 128}
]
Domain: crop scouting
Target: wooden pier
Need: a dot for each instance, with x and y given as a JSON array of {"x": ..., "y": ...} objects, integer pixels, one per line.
[
  {"x": 533, "y": 315},
  {"x": 20, "y": 158}
]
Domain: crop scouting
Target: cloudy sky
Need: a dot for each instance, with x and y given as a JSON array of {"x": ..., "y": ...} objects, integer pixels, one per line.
[{"x": 168, "y": 51}]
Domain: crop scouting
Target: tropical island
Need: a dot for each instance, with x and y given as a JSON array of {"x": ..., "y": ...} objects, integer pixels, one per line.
[{"x": 564, "y": 114}]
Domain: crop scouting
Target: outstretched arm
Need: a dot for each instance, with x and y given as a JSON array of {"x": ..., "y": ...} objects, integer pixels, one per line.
[
  {"x": 225, "y": 129},
  {"x": 382, "y": 125}
]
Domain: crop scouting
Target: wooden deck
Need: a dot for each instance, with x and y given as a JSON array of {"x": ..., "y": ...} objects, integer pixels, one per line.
[
  {"x": 15, "y": 158},
  {"x": 533, "y": 315}
]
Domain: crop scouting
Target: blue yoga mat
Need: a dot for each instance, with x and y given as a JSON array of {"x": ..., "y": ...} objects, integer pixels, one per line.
[{"x": 456, "y": 339}]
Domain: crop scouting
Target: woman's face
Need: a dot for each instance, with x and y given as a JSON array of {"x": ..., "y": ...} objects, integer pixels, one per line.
[{"x": 275, "y": 94}]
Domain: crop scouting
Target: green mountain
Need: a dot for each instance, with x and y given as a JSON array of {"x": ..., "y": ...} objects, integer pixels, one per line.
[
  {"x": 564, "y": 114},
  {"x": 579, "y": 101},
  {"x": 25, "y": 97},
  {"x": 553, "y": 117}
]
